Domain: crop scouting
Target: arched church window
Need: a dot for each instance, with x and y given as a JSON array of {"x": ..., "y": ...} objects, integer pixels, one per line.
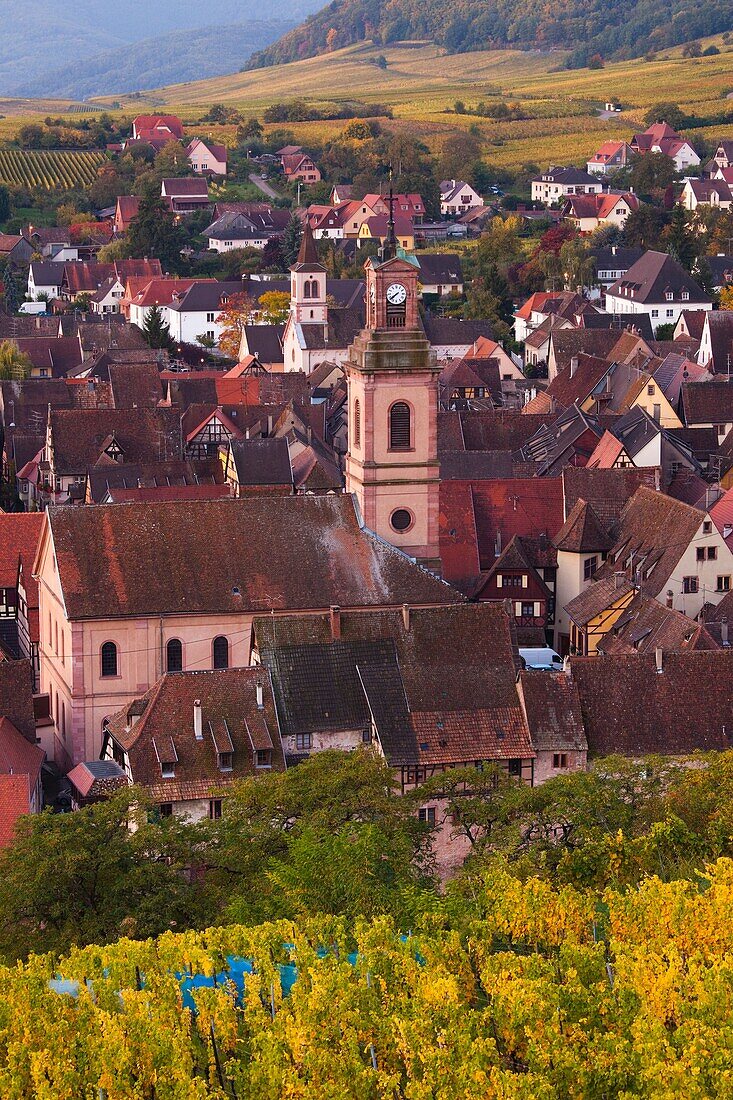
[{"x": 399, "y": 426}]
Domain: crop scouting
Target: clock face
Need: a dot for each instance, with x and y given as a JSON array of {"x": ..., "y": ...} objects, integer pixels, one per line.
[{"x": 396, "y": 294}]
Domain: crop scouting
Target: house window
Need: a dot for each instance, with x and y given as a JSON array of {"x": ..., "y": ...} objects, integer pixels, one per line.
[
  {"x": 723, "y": 584},
  {"x": 655, "y": 313},
  {"x": 209, "y": 317},
  {"x": 109, "y": 659},
  {"x": 669, "y": 296},
  {"x": 263, "y": 758},
  {"x": 174, "y": 656},
  {"x": 707, "y": 527},
  {"x": 560, "y": 760},
  {"x": 589, "y": 567},
  {"x": 528, "y": 610},
  {"x": 226, "y": 761},
  {"x": 712, "y": 553},
  {"x": 701, "y": 553},
  {"x": 399, "y": 426},
  {"x": 670, "y": 313},
  {"x": 221, "y": 652},
  {"x": 515, "y": 768},
  {"x": 214, "y": 808},
  {"x": 427, "y": 815},
  {"x": 168, "y": 769},
  {"x": 357, "y": 423},
  {"x": 165, "y": 809},
  {"x": 302, "y": 741},
  {"x": 689, "y": 585},
  {"x": 651, "y": 390},
  {"x": 366, "y": 737}
]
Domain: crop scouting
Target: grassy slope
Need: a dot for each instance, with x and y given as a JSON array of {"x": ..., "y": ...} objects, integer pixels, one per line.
[{"x": 420, "y": 83}]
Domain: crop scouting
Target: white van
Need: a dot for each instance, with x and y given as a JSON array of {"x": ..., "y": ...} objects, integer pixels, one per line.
[{"x": 542, "y": 657}]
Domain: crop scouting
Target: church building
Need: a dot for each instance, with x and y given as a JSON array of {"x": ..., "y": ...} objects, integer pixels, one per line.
[{"x": 392, "y": 461}]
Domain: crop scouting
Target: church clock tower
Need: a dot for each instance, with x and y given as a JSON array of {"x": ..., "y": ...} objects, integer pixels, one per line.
[{"x": 392, "y": 460}]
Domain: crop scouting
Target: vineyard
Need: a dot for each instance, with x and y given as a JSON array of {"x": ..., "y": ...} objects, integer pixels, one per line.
[
  {"x": 49, "y": 169},
  {"x": 542, "y": 993}
]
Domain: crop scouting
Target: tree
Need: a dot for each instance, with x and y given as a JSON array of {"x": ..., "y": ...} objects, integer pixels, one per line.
[
  {"x": 156, "y": 332},
  {"x": 650, "y": 172},
  {"x": 459, "y": 152},
  {"x": 331, "y": 39},
  {"x": 291, "y": 240},
  {"x": 86, "y": 877},
  {"x": 726, "y": 298},
  {"x": 499, "y": 245},
  {"x": 235, "y": 315},
  {"x": 680, "y": 240},
  {"x": 14, "y": 364},
  {"x": 644, "y": 228},
  {"x": 671, "y": 113},
  {"x": 251, "y": 130},
  {"x": 578, "y": 267},
  {"x": 275, "y": 306},
  {"x": 11, "y": 291},
  {"x": 4, "y": 203},
  {"x": 357, "y": 130},
  {"x": 154, "y": 232}
]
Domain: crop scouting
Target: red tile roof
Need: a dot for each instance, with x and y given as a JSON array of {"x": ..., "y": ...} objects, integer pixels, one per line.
[
  {"x": 19, "y": 536},
  {"x": 18, "y": 755},
  {"x": 14, "y": 802},
  {"x": 272, "y": 552}
]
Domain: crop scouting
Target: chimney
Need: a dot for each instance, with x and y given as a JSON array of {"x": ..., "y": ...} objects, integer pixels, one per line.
[
  {"x": 335, "y": 623},
  {"x": 659, "y": 658},
  {"x": 724, "y": 631},
  {"x": 670, "y": 599},
  {"x": 497, "y": 545},
  {"x": 657, "y": 479},
  {"x": 727, "y": 530},
  {"x": 269, "y": 424},
  {"x": 573, "y": 366},
  {"x": 198, "y": 724},
  {"x": 618, "y": 579},
  {"x": 260, "y": 695},
  {"x": 406, "y": 616}
]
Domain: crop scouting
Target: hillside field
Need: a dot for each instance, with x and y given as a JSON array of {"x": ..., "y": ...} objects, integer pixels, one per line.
[
  {"x": 49, "y": 168},
  {"x": 421, "y": 83}
]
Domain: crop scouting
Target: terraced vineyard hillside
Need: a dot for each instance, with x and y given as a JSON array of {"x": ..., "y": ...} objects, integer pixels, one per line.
[{"x": 49, "y": 168}]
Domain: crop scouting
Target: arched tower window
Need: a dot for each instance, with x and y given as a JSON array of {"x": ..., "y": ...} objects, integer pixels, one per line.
[
  {"x": 174, "y": 656},
  {"x": 399, "y": 426},
  {"x": 307, "y": 288},
  {"x": 357, "y": 423},
  {"x": 221, "y": 652},
  {"x": 109, "y": 659}
]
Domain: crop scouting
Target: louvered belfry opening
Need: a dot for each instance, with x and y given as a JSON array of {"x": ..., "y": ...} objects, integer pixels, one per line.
[{"x": 399, "y": 426}]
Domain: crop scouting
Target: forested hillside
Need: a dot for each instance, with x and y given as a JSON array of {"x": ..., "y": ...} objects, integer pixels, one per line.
[
  {"x": 168, "y": 59},
  {"x": 610, "y": 28}
]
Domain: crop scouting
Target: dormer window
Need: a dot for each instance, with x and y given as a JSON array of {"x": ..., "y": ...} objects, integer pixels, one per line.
[
  {"x": 669, "y": 295},
  {"x": 225, "y": 761},
  {"x": 167, "y": 756},
  {"x": 263, "y": 758},
  {"x": 685, "y": 295}
]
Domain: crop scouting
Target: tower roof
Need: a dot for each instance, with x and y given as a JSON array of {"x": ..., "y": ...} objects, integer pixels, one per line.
[{"x": 308, "y": 253}]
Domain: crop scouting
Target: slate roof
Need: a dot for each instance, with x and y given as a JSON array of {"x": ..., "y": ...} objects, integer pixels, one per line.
[
  {"x": 203, "y": 296},
  {"x": 185, "y": 188},
  {"x": 262, "y": 462},
  {"x": 441, "y": 689},
  {"x": 442, "y": 331},
  {"x": 47, "y": 273},
  {"x": 630, "y": 708},
  {"x": 344, "y": 325},
  {"x": 134, "y": 475},
  {"x": 272, "y": 552},
  {"x": 720, "y": 323},
  {"x": 552, "y": 708},
  {"x": 227, "y": 696},
  {"x": 568, "y": 388},
  {"x": 440, "y": 268},
  {"x": 651, "y": 277},
  {"x": 59, "y": 354},
  {"x": 265, "y": 341},
  {"x": 583, "y": 532},
  {"x": 97, "y": 778}
]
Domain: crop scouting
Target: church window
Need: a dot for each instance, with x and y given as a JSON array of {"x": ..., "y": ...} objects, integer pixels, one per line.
[
  {"x": 401, "y": 519},
  {"x": 400, "y": 426}
]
